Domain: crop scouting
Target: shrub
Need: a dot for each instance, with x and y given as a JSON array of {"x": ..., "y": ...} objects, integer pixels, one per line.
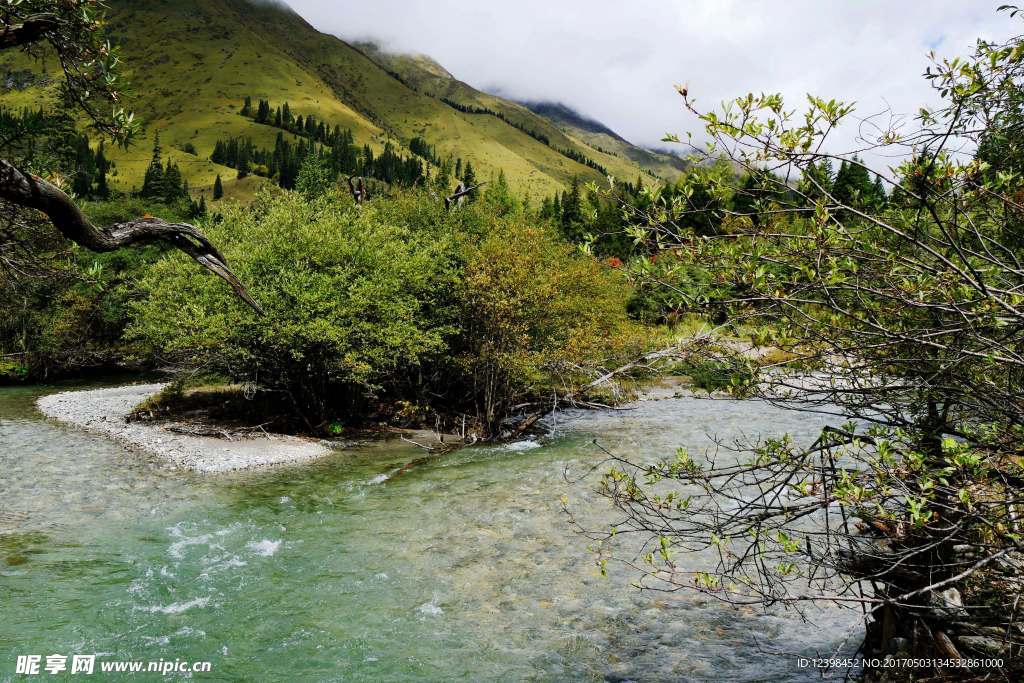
[
  {"x": 71, "y": 312},
  {"x": 536, "y": 314},
  {"x": 394, "y": 303},
  {"x": 348, "y": 297}
]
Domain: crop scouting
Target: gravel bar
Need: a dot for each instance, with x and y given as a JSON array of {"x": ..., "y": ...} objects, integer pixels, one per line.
[{"x": 105, "y": 411}]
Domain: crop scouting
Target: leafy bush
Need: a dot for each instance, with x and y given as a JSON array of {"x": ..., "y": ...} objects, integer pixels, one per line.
[
  {"x": 394, "y": 303},
  {"x": 733, "y": 375},
  {"x": 70, "y": 313},
  {"x": 535, "y": 315},
  {"x": 348, "y": 297}
]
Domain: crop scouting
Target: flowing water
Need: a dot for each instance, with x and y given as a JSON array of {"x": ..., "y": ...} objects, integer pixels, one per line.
[{"x": 462, "y": 568}]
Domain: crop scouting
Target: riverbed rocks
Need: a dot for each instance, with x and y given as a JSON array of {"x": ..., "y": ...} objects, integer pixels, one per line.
[{"x": 105, "y": 411}]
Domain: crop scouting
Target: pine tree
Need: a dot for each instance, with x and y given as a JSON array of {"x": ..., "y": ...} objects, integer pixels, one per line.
[
  {"x": 102, "y": 165},
  {"x": 85, "y": 167},
  {"x": 263, "y": 112},
  {"x": 818, "y": 180},
  {"x": 153, "y": 180},
  {"x": 172, "y": 183},
  {"x": 243, "y": 163},
  {"x": 218, "y": 188},
  {"x": 572, "y": 209},
  {"x": 247, "y": 107},
  {"x": 853, "y": 185},
  {"x": 745, "y": 199},
  {"x": 880, "y": 198}
]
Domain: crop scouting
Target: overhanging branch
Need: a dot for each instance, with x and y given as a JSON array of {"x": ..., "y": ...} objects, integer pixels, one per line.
[
  {"x": 29, "y": 191},
  {"x": 29, "y": 31}
]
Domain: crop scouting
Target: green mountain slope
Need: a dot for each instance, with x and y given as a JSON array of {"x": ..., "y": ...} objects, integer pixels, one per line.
[
  {"x": 562, "y": 126},
  {"x": 192, "y": 62},
  {"x": 599, "y": 136}
]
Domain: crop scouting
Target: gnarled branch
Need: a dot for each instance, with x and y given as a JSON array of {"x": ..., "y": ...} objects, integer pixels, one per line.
[
  {"x": 358, "y": 190},
  {"x": 460, "y": 191},
  {"x": 29, "y": 191},
  {"x": 29, "y": 31}
]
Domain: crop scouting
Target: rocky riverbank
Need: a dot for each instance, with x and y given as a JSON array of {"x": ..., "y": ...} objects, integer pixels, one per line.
[{"x": 105, "y": 411}]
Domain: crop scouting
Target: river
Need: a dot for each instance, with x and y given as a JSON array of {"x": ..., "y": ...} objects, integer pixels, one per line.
[{"x": 459, "y": 569}]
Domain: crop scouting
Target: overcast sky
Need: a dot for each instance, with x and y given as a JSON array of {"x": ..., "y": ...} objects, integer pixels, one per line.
[{"x": 617, "y": 61}]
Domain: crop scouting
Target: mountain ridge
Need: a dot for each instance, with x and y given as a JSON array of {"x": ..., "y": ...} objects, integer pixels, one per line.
[{"x": 192, "y": 62}]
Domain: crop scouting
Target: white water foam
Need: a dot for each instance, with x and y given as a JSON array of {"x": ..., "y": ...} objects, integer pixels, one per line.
[
  {"x": 520, "y": 446},
  {"x": 266, "y": 547},
  {"x": 177, "y": 607}
]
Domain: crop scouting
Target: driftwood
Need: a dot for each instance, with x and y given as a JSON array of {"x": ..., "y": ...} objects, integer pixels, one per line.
[
  {"x": 358, "y": 190},
  {"x": 32, "y": 192},
  {"x": 461, "y": 192}
]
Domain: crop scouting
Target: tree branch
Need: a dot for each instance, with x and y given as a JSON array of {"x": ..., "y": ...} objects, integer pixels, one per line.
[
  {"x": 460, "y": 192},
  {"x": 29, "y": 31},
  {"x": 29, "y": 191}
]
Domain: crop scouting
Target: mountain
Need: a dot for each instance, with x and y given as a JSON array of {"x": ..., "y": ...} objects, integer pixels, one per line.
[
  {"x": 191, "y": 63},
  {"x": 559, "y": 123},
  {"x": 599, "y": 136},
  {"x": 566, "y": 116}
]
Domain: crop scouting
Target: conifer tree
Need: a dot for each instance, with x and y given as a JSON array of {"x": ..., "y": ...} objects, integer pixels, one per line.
[
  {"x": 879, "y": 196},
  {"x": 572, "y": 211},
  {"x": 818, "y": 180},
  {"x": 153, "y": 180},
  {"x": 263, "y": 113},
  {"x": 853, "y": 184},
  {"x": 218, "y": 188},
  {"x": 102, "y": 165},
  {"x": 85, "y": 167},
  {"x": 172, "y": 183}
]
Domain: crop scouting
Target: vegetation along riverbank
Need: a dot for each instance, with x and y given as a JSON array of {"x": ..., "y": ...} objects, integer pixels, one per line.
[{"x": 353, "y": 241}]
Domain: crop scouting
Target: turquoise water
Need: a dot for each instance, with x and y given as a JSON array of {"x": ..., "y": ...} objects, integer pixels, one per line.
[{"x": 462, "y": 568}]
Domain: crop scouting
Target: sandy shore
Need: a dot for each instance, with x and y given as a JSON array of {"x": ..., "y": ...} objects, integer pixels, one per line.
[{"x": 105, "y": 411}]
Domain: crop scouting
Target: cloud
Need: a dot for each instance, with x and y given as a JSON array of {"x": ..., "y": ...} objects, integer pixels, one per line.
[{"x": 617, "y": 62}]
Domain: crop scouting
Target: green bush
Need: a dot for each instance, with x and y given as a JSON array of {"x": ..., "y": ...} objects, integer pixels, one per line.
[
  {"x": 393, "y": 303},
  {"x": 536, "y": 316},
  {"x": 733, "y": 375},
  {"x": 348, "y": 295},
  {"x": 70, "y": 313}
]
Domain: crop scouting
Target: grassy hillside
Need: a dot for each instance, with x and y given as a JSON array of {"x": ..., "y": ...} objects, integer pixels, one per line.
[
  {"x": 192, "y": 62},
  {"x": 565, "y": 128},
  {"x": 599, "y": 136}
]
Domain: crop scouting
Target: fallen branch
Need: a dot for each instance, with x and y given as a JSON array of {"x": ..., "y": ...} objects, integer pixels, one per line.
[
  {"x": 358, "y": 190},
  {"x": 461, "y": 191}
]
